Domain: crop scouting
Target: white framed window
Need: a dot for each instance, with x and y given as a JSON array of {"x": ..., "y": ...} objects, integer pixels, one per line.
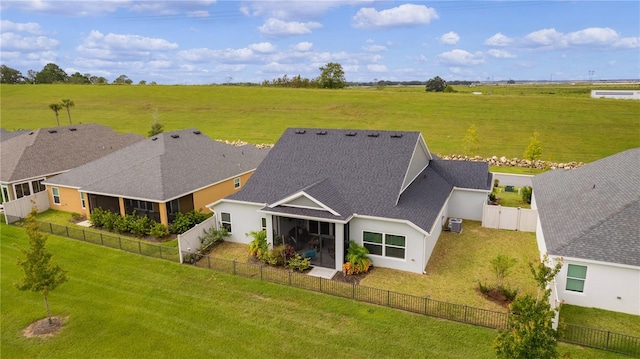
[
  {"x": 22, "y": 189},
  {"x": 384, "y": 244},
  {"x": 576, "y": 276},
  {"x": 55, "y": 192},
  {"x": 263, "y": 223},
  {"x": 37, "y": 186},
  {"x": 225, "y": 220},
  {"x": 5, "y": 193},
  {"x": 236, "y": 182},
  {"x": 82, "y": 202}
]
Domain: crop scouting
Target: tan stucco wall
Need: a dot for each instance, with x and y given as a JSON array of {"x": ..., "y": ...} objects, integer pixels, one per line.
[
  {"x": 213, "y": 193},
  {"x": 69, "y": 200}
]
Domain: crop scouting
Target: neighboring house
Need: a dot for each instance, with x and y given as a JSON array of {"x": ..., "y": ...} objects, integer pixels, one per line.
[
  {"x": 172, "y": 172},
  {"x": 318, "y": 189},
  {"x": 590, "y": 217},
  {"x": 29, "y": 157}
]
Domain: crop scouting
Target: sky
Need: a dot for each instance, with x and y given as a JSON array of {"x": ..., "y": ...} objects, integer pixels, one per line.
[{"x": 206, "y": 42}]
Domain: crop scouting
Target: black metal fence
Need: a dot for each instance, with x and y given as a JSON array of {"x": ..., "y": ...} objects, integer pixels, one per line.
[
  {"x": 569, "y": 333},
  {"x": 127, "y": 244}
]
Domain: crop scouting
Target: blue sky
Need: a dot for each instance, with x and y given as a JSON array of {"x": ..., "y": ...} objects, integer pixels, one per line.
[{"x": 204, "y": 42}]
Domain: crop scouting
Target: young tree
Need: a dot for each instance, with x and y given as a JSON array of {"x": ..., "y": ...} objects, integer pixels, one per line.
[
  {"x": 56, "y": 107},
  {"x": 501, "y": 266},
  {"x": 534, "y": 150},
  {"x": 471, "y": 140},
  {"x": 436, "y": 84},
  {"x": 531, "y": 334},
  {"x": 332, "y": 76},
  {"x": 66, "y": 103},
  {"x": 156, "y": 127},
  {"x": 40, "y": 273}
]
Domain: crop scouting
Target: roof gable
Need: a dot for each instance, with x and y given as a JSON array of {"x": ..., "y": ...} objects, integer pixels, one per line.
[
  {"x": 592, "y": 212},
  {"x": 164, "y": 167}
]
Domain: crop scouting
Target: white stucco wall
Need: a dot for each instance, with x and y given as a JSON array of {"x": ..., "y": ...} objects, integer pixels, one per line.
[
  {"x": 415, "y": 243},
  {"x": 244, "y": 219},
  {"x": 466, "y": 204},
  {"x": 607, "y": 286}
]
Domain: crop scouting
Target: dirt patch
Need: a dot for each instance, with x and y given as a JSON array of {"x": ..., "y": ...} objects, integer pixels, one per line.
[
  {"x": 495, "y": 295},
  {"x": 43, "y": 329},
  {"x": 351, "y": 278}
]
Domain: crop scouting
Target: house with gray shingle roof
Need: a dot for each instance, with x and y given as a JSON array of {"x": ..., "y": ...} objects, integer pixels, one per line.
[
  {"x": 318, "y": 189},
  {"x": 29, "y": 157},
  {"x": 171, "y": 172},
  {"x": 590, "y": 217}
]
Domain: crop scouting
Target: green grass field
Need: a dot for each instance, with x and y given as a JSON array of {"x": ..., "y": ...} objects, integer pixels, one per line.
[
  {"x": 572, "y": 126},
  {"x": 120, "y": 305}
]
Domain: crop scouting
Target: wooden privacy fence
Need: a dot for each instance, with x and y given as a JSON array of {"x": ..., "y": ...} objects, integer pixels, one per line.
[{"x": 131, "y": 245}]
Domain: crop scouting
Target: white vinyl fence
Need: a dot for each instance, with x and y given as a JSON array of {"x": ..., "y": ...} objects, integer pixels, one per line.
[
  {"x": 515, "y": 219},
  {"x": 20, "y": 208},
  {"x": 189, "y": 241}
]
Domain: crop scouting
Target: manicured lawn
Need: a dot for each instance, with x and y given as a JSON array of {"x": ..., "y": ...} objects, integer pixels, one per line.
[
  {"x": 459, "y": 260},
  {"x": 120, "y": 305},
  {"x": 511, "y": 199},
  {"x": 601, "y": 319},
  {"x": 572, "y": 126}
]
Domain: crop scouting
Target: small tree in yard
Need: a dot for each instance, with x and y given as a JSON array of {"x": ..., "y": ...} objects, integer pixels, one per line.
[
  {"x": 531, "y": 333},
  {"x": 501, "y": 266},
  {"x": 534, "y": 150},
  {"x": 436, "y": 84},
  {"x": 40, "y": 274},
  {"x": 156, "y": 127}
]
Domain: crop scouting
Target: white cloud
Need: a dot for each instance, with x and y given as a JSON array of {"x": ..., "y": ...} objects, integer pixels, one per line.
[
  {"x": 374, "y": 48},
  {"x": 276, "y": 27},
  {"x": 226, "y": 56},
  {"x": 627, "y": 43},
  {"x": 377, "y": 68},
  {"x": 498, "y": 40},
  {"x": 450, "y": 38},
  {"x": 599, "y": 37},
  {"x": 198, "y": 13},
  {"x": 28, "y": 27},
  {"x": 290, "y": 10},
  {"x": 592, "y": 36},
  {"x": 500, "y": 54},
  {"x": 403, "y": 15},
  {"x": 459, "y": 57},
  {"x": 302, "y": 46},
  {"x": 544, "y": 38},
  {"x": 263, "y": 47},
  {"x": 16, "y": 42}
]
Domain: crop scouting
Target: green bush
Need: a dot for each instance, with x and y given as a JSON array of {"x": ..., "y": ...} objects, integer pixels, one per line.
[
  {"x": 510, "y": 294},
  {"x": 158, "y": 230},
  {"x": 97, "y": 217},
  {"x": 211, "y": 238},
  {"x": 258, "y": 246},
  {"x": 186, "y": 221},
  {"x": 139, "y": 226},
  {"x": 298, "y": 263},
  {"x": 526, "y": 194},
  {"x": 120, "y": 224},
  {"x": 275, "y": 256}
]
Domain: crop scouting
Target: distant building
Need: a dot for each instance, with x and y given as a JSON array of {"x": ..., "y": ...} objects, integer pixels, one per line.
[{"x": 620, "y": 94}]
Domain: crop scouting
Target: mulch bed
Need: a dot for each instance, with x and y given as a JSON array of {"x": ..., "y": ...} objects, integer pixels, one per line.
[
  {"x": 43, "y": 329},
  {"x": 351, "y": 278}
]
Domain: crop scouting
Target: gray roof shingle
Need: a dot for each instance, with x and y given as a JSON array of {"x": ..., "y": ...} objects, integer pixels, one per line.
[
  {"x": 358, "y": 174},
  {"x": 593, "y": 212},
  {"x": 53, "y": 150},
  {"x": 163, "y": 167}
]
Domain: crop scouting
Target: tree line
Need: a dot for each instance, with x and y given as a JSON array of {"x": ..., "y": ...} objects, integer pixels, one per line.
[{"x": 53, "y": 74}]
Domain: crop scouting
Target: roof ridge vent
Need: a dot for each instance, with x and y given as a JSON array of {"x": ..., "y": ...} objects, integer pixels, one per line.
[
  {"x": 396, "y": 135},
  {"x": 321, "y": 133},
  {"x": 175, "y": 136},
  {"x": 73, "y": 129},
  {"x": 154, "y": 138},
  {"x": 196, "y": 132},
  {"x": 351, "y": 134},
  {"x": 53, "y": 131},
  {"x": 373, "y": 135},
  {"x": 301, "y": 132}
]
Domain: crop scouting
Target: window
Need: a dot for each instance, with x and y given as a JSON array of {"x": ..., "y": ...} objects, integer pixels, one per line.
[
  {"x": 236, "y": 182},
  {"x": 173, "y": 207},
  {"x": 38, "y": 186},
  {"x": 576, "y": 276},
  {"x": 263, "y": 223},
  {"x": 139, "y": 205},
  {"x": 225, "y": 219},
  {"x": 5, "y": 194},
  {"x": 314, "y": 227},
  {"x": 387, "y": 245},
  {"x": 82, "y": 202},
  {"x": 22, "y": 189},
  {"x": 56, "y": 195}
]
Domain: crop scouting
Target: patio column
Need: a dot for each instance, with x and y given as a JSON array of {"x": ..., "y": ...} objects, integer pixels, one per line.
[
  {"x": 339, "y": 235},
  {"x": 123, "y": 210},
  {"x": 164, "y": 218},
  {"x": 269, "y": 229}
]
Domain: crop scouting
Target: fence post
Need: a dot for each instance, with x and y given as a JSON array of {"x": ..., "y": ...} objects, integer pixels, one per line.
[
  {"x": 234, "y": 267},
  {"x": 120, "y": 242},
  {"x": 50, "y": 227},
  {"x": 84, "y": 236},
  {"x": 608, "y": 336},
  {"x": 160, "y": 252},
  {"x": 209, "y": 261},
  {"x": 101, "y": 239},
  {"x": 388, "y": 298},
  {"x": 139, "y": 248},
  {"x": 289, "y": 278},
  {"x": 426, "y": 301},
  {"x": 321, "y": 284},
  {"x": 465, "y": 314},
  {"x": 260, "y": 272},
  {"x": 353, "y": 290},
  {"x": 67, "y": 228}
]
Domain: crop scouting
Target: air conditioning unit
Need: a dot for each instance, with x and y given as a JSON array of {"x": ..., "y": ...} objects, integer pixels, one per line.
[{"x": 455, "y": 225}]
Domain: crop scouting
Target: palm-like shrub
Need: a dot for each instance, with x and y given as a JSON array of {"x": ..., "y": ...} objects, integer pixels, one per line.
[
  {"x": 357, "y": 259},
  {"x": 258, "y": 247}
]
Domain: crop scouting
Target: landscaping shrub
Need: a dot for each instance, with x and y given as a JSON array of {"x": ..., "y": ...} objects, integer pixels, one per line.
[
  {"x": 526, "y": 194},
  {"x": 139, "y": 226},
  {"x": 357, "y": 259},
  {"x": 258, "y": 246},
  {"x": 298, "y": 263},
  {"x": 211, "y": 238},
  {"x": 97, "y": 217},
  {"x": 186, "y": 221},
  {"x": 275, "y": 256},
  {"x": 158, "y": 230}
]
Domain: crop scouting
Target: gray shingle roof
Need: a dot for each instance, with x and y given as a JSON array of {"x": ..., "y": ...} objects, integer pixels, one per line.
[
  {"x": 5, "y": 135},
  {"x": 44, "y": 152},
  {"x": 593, "y": 212},
  {"x": 358, "y": 174},
  {"x": 164, "y": 167}
]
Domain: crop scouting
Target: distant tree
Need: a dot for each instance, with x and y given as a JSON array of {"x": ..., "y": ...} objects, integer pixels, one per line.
[
  {"x": 10, "y": 76},
  {"x": 122, "y": 80},
  {"x": 142, "y": 82},
  {"x": 436, "y": 84},
  {"x": 534, "y": 150},
  {"x": 79, "y": 79},
  {"x": 511, "y": 82},
  {"x": 332, "y": 76},
  {"x": 66, "y": 103},
  {"x": 471, "y": 140},
  {"x": 40, "y": 273},
  {"x": 51, "y": 74},
  {"x": 56, "y": 107},
  {"x": 31, "y": 77}
]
